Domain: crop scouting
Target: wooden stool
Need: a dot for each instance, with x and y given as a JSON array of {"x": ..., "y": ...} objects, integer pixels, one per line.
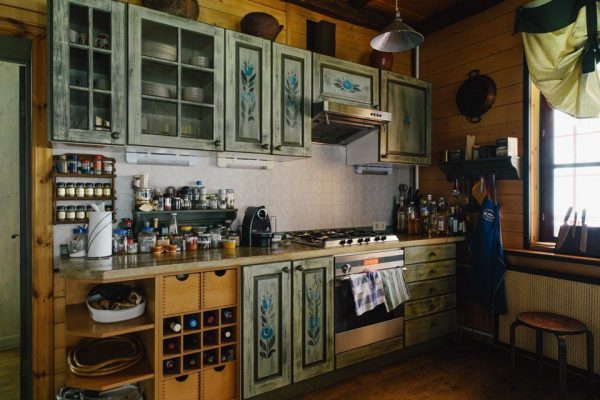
[{"x": 560, "y": 326}]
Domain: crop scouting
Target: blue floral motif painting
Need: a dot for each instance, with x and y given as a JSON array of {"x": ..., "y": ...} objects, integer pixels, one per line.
[
  {"x": 292, "y": 100},
  {"x": 346, "y": 85},
  {"x": 248, "y": 95},
  {"x": 313, "y": 305},
  {"x": 267, "y": 335}
]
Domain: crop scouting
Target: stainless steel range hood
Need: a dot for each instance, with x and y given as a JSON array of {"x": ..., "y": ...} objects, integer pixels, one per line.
[{"x": 338, "y": 123}]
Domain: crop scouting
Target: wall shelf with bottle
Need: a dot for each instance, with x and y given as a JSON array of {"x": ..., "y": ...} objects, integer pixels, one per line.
[
  {"x": 71, "y": 175},
  {"x": 185, "y": 217},
  {"x": 505, "y": 168}
]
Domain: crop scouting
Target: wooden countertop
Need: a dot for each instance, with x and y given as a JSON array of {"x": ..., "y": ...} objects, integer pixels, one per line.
[{"x": 137, "y": 266}]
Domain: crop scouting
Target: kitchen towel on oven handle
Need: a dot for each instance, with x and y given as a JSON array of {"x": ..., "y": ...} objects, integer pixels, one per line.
[
  {"x": 394, "y": 288},
  {"x": 367, "y": 290}
]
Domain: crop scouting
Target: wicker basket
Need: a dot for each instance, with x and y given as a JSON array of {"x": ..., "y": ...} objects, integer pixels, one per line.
[{"x": 181, "y": 8}]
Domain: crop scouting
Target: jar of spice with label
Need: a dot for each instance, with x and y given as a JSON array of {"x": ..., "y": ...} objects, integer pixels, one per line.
[
  {"x": 80, "y": 213},
  {"x": 61, "y": 214},
  {"x": 89, "y": 190},
  {"x": 79, "y": 191},
  {"x": 107, "y": 190},
  {"x": 98, "y": 190},
  {"x": 70, "y": 189},
  {"x": 71, "y": 213},
  {"x": 107, "y": 167},
  {"x": 146, "y": 239},
  {"x": 98, "y": 164},
  {"x": 60, "y": 189}
]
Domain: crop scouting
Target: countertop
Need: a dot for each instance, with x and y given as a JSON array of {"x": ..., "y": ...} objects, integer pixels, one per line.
[{"x": 143, "y": 265}]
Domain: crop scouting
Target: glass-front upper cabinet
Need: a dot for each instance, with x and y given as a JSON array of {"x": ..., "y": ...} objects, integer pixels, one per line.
[
  {"x": 88, "y": 71},
  {"x": 175, "y": 81}
]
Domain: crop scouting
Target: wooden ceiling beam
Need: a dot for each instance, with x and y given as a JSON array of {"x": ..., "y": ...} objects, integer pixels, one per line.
[
  {"x": 454, "y": 14},
  {"x": 358, "y": 4},
  {"x": 341, "y": 9}
]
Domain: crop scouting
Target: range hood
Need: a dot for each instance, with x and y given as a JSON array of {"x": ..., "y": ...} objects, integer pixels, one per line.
[{"x": 338, "y": 123}]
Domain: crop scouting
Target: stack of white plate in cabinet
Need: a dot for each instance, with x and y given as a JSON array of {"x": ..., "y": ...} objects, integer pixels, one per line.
[
  {"x": 200, "y": 61},
  {"x": 193, "y": 94},
  {"x": 155, "y": 89},
  {"x": 160, "y": 50}
]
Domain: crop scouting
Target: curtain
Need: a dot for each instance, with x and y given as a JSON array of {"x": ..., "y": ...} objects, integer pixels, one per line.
[{"x": 561, "y": 47}]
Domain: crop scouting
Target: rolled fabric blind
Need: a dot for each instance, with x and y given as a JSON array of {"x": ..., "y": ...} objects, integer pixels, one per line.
[{"x": 561, "y": 47}]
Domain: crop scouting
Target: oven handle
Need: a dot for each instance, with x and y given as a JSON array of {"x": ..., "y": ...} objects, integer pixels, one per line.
[{"x": 347, "y": 277}]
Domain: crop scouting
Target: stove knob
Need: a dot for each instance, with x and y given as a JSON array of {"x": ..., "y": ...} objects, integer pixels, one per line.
[
  {"x": 367, "y": 240},
  {"x": 342, "y": 242},
  {"x": 359, "y": 241},
  {"x": 383, "y": 238},
  {"x": 346, "y": 268},
  {"x": 349, "y": 241}
]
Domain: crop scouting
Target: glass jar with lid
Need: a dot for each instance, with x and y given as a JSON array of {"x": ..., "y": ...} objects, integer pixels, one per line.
[
  {"x": 119, "y": 241},
  {"x": 146, "y": 239},
  {"x": 78, "y": 243},
  {"x": 107, "y": 190},
  {"x": 61, "y": 213},
  {"x": 98, "y": 190},
  {"x": 70, "y": 189},
  {"x": 80, "y": 213},
  {"x": 89, "y": 190},
  {"x": 191, "y": 240},
  {"x": 61, "y": 189},
  {"x": 79, "y": 190},
  {"x": 88, "y": 210},
  {"x": 107, "y": 167},
  {"x": 230, "y": 196},
  {"x": 71, "y": 213}
]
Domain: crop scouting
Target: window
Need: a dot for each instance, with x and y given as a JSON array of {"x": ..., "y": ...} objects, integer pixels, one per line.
[{"x": 569, "y": 170}]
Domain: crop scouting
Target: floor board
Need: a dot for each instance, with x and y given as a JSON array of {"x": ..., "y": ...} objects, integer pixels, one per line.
[
  {"x": 9, "y": 374},
  {"x": 466, "y": 371}
]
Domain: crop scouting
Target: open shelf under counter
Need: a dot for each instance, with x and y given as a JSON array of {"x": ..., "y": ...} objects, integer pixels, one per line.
[
  {"x": 79, "y": 323},
  {"x": 139, "y": 372}
]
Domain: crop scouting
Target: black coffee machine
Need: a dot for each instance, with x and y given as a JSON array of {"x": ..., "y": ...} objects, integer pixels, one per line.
[{"x": 256, "y": 228}]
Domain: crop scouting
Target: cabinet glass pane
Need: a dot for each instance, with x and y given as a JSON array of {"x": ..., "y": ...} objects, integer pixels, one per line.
[
  {"x": 101, "y": 32},
  {"x": 79, "y": 109},
  {"x": 78, "y": 67},
  {"x": 78, "y": 24},
  {"x": 159, "y": 41},
  {"x": 101, "y": 71},
  {"x": 197, "y": 49},
  {"x": 196, "y": 122},
  {"x": 159, "y": 118},
  {"x": 159, "y": 80},
  {"x": 197, "y": 86},
  {"x": 102, "y": 112}
]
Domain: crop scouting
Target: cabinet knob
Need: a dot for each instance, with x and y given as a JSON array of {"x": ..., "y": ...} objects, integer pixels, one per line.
[
  {"x": 115, "y": 135},
  {"x": 285, "y": 270},
  {"x": 384, "y": 156},
  {"x": 217, "y": 143},
  {"x": 278, "y": 148},
  {"x": 266, "y": 146},
  {"x": 299, "y": 268}
]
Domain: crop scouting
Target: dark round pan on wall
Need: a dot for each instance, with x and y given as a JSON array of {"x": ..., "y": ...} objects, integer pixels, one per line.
[{"x": 476, "y": 96}]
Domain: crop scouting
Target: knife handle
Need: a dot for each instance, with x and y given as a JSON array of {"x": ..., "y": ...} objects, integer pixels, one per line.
[
  {"x": 569, "y": 211},
  {"x": 583, "y": 213}
]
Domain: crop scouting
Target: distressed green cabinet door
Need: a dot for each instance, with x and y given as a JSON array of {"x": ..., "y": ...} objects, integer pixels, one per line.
[
  {"x": 344, "y": 82},
  {"x": 407, "y": 139},
  {"x": 247, "y": 93},
  {"x": 175, "y": 81},
  {"x": 266, "y": 350},
  {"x": 312, "y": 320},
  {"x": 292, "y": 100},
  {"x": 88, "y": 72}
]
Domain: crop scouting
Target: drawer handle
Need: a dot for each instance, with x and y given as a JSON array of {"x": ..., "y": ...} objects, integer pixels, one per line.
[
  {"x": 182, "y": 277},
  {"x": 221, "y": 272},
  {"x": 432, "y": 271},
  {"x": 182, "y": 378},
  {"x": 299, "y": 268},
  {"x": 432, "y": 254},
  {"x": 285, "y": 270},
  {"x": 220, "y": 368}
]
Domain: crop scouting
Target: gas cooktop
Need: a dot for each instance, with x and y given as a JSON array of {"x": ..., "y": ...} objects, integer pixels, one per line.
[{"x": 341, "y": 237}]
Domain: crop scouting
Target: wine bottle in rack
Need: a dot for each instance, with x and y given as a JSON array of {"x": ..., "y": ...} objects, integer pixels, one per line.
[
  {"x": 170, "y": 367},
  {"x": 170, "y": 346},
  {"x": 172, "y": 325},
  {"x": 191, "y": 322},
  {"x": 210, "y": 338},
  {"x": 175, "y": 327},
  {"x": 227, "y": 354},
  {"x": 210, "y": 318},
  {"x": 227, "y": 334},
  {"x": 191, "y": 362},
  {"x": 227, "y": 316},
  {"x": 191, "y": 342},
  {"x": 210, "y": 358}
]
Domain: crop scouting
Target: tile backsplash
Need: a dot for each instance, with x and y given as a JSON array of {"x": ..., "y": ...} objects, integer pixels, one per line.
[{"x": 317, "y": 192}]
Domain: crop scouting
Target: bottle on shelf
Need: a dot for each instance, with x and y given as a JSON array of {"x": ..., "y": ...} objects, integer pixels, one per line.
[
  {"x": 227, "y": 316},
  {"x": 191, "y": 342},
  {"x": 172, "y": 325},
  {"x": 191, "y": 322},
  {"x": 171, "y": 366},
  {"x": 227, "y": 334},
  {"x": 401, "y": 217},
  {"x": 210, "y": 338},
  {"x": 227, "y": 354},
  {"x": 210, "y": 318},
  {"x": 170, "y": 346},
  {"x": 412, "y": 219},
  {"x": 442, "y": 218},
  {"x": 210, "y": 357},
  {"x": 191, "y": 361}
]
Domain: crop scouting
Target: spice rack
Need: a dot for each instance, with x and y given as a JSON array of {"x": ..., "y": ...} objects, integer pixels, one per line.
[{"x": 59, "y": 176}]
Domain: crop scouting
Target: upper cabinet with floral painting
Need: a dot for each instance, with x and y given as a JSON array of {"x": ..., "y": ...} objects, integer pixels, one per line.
[{"x": 344, "y": 82}]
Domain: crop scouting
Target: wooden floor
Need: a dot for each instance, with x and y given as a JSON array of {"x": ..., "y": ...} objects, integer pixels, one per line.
[
  {"x": 9, "y": 374},
  {"x": 467, "y": 371}
]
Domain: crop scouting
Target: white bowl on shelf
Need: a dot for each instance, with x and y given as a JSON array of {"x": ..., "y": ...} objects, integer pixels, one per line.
[
  {"x": 195, "y": 94},
  {"x": 200, "y": 61},
  {"x": 155, "y": 89},
  {"x": 164, "y": 51},
  {"x": 111, "y": 316}
]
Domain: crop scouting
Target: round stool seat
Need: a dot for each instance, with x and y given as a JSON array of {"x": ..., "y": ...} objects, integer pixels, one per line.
[{"x": 553, "y": 323}]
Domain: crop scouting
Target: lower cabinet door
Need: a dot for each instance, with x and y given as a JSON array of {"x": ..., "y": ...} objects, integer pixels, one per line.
[
  {"x": 312, "y": 319},
  {"x": 267, "y": 344}
]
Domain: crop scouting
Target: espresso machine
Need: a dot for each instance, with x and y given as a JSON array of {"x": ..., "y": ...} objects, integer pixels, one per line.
[{"x": 256, "y": 228}]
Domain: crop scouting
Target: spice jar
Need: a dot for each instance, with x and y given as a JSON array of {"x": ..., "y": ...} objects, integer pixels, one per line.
[
  {"x": 162, "y": 240},
  {"x": 167, "y": 202},
  {"x": 98, "y": 190},
  {"x": 119, "y": 242},
  {"x": 230, "y": 197},
  {"x": 79, "y": 190},
  {"x": 61, "y": 214},
  {"x": 70, "y": 189},
  {"x": 60, "y": 189},
  {"x": 86, "y": 167},
  {"x": 71, "y": 214},
  {"x": 213, "y": 202},
  {"x": 107, "y": 190},
  {"x": 88, "y": 210},
  {"x": 80, "y": 213},
  {"x": 107, "y": 167},
  {"x": 176, "y": 204},
  {"x": 89, "y": 190},
  {"x": 61, "y": 165},
  {"x": 132, "y": 246},
  {"x": 146, "y": 239},
  {"x": 98, "y": 164},
  {"x": 73, "y": 164}
]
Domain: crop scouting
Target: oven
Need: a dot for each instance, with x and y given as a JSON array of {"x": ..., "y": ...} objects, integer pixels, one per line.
[{"x": 352, "y": 331}]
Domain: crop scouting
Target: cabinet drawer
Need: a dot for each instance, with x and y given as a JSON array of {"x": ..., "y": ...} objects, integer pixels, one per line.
[
  {"x": 426, "y": 328},
  {"x": 219, "y": 383},
  {"x": 419, "y": 254},
  {"x": 420, "y": 272},
  {"x": 181, "y": 293},
  {"x": 183, "y": 387},
  {"x": 420, "y": 308},
  {"x": 219, "y": 288},
  {"x": 431, "y": 288}
]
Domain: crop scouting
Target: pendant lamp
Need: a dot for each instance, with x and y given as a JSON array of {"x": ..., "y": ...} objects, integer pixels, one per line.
[{"x": 397, "y": 36}]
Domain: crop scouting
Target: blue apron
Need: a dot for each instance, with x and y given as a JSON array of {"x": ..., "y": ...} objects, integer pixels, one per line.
[{"x": 486, "y": 275}]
